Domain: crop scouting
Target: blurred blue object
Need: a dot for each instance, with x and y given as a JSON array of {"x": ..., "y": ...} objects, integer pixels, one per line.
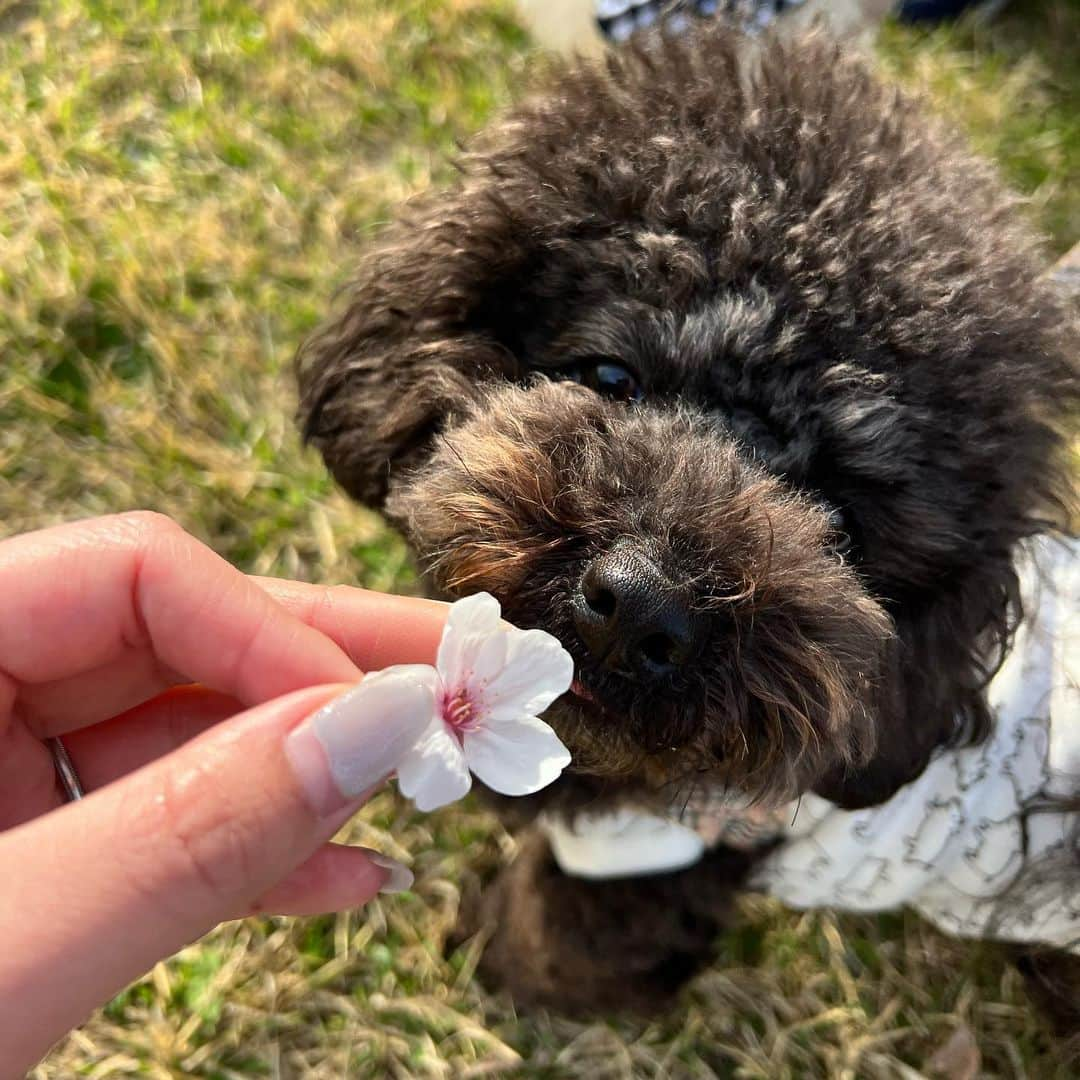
[
  {"x": 916, "y": 11},
  {"x": 619, "y": 20}
]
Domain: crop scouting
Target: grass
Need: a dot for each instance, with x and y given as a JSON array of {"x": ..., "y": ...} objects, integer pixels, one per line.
[
  {"x": 182, "y": 187},
  {"x": 1014, "y": 86}
]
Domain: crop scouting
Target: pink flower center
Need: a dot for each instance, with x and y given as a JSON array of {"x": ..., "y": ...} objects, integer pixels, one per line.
[{"x": 460, "y": 711}]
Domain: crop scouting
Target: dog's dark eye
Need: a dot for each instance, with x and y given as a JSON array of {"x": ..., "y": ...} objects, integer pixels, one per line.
[
  {"x": 839, "y": 538},
  {"x": 607, "y": 377}
]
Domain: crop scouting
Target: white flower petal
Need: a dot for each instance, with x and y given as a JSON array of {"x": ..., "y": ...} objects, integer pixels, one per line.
[
  {"x": 488, "y": 661},
  {"x": 516, "y": 757},
  {"x": 537, "y": 670},
  {"x": 468, "y": 627},
  {"x": 433, "y": 773}
]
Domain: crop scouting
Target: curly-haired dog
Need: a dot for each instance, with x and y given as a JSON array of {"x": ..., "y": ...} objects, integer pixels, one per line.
[{"x": 743, "y": 383}]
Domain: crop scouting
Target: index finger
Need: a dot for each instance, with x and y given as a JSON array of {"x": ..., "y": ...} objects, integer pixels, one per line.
[
  {"x": 86, "y": 597},
  {"x": 374, "y": 629}
]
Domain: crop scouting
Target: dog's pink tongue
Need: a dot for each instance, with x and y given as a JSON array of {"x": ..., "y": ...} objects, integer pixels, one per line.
[{"x": 579, "y": 690}]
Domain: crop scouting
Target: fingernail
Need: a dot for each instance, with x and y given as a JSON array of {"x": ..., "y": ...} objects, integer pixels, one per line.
[
  {"x": 399, "y": 876},
  {"x": 355, "y": 741}
]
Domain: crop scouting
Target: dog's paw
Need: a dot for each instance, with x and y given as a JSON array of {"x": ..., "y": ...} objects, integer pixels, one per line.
[
  {"x": 581, "y": 946},
  {"x": 1052, "y": 979}
]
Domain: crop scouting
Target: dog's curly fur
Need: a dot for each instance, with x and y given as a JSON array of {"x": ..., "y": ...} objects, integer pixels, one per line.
[{"x": 833, "y": 312}]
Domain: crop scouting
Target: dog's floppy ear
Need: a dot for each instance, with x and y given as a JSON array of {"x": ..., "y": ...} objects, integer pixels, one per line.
[
  {"x": 947, "y": 648},
  {"x": 379, "y": 379}
]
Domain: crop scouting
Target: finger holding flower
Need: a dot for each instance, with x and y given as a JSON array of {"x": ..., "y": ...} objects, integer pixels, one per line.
[{"x": 224, "y": 730}]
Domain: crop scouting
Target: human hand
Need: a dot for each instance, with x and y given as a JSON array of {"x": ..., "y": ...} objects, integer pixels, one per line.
[{"x": 205, "y": 802}]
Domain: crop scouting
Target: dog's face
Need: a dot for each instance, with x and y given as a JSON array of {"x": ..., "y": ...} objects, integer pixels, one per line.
[
  {"x": 725, "y": 389},
  {"x": 610, "y": 494}
]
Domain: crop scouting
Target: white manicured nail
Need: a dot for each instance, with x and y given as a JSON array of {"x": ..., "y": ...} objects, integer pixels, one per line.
[{"x": 355, "y": 741}]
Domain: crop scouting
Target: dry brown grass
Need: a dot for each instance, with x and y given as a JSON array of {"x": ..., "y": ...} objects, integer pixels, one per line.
[{"x": 182, "y": 186}]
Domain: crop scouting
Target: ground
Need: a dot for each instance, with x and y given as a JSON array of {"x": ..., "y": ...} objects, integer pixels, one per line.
[{"x": 182, "y": 186}]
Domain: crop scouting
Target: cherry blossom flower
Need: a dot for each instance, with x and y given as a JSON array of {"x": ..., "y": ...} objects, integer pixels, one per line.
[{"x": 490, "y": 682}]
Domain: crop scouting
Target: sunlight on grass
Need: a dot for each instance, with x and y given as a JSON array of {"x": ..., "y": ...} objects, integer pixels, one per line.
[
  {"x": 180, "y": 197},
  {"x": 1014, "y": 85},
  {"x": 182, "y": 188}
]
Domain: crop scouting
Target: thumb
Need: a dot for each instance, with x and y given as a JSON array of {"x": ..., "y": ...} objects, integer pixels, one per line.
[{"x": 99, "y": 890}]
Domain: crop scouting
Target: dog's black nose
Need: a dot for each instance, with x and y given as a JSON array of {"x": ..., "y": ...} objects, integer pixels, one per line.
[{"x": 632, "y": 618}]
